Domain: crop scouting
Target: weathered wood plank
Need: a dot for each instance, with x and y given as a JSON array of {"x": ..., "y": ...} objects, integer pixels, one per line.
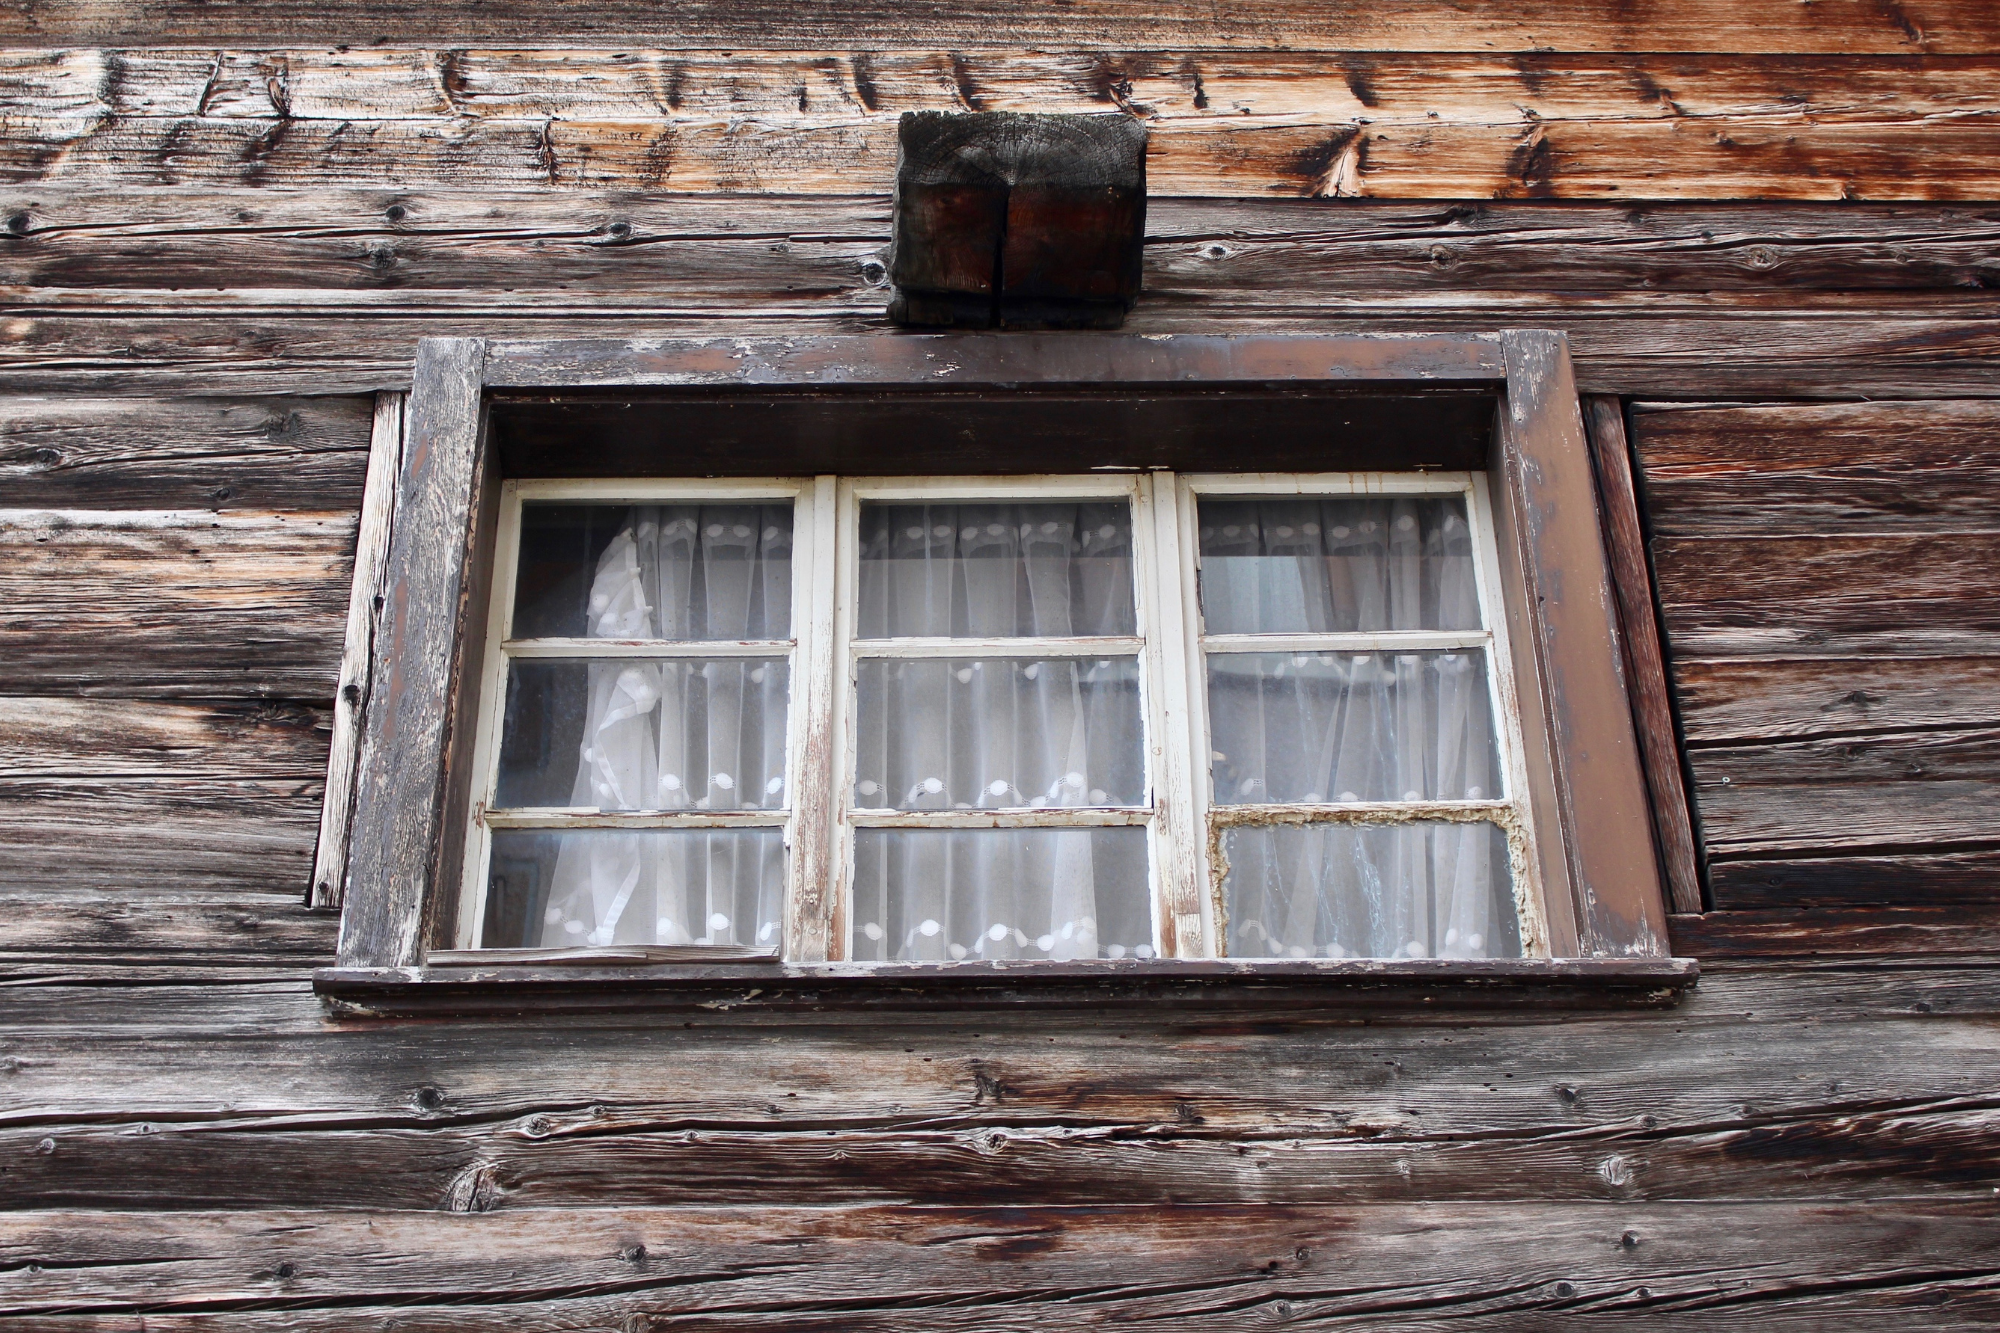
[
  {"x": 1644, "y": 664},
  {"x": 1838, "y": 932},
  {"x": 1901, "y": 790},
  {"x": 182, "y": 453},
  {"x": 1409, "y": 1080},
  {"x": 1839, "y": 596},
  {"x": 410, "y": 725},
  {"x": 1860, "y": 468},
  {"x": 1912, "y": 351},
  {"x": 233, "y": 916},
  {"x": 357, "y": 655},
  {"x": 119, "y": 739},
  {"x": 136, "y": 835},
  {"x": 1795, "y": 699},
  {"x": 199, "y": 604},
  {"x": 1835, "y": 881},
  {"x": 1435, "y": 125},
  {"x": 581, "y": 1161},
  {"x": 1218, "y": 1267},
  {"x": 610, "y": 243},
  {"x": 1915, "y": 26}
]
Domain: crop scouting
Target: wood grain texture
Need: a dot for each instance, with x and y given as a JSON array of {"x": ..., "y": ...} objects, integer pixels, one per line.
[
  {"x": 1644, "y": 663},
  {"x": 212, "y": 835},
  {"x": 201, "y": 905},
  {"x": 1806, "y": 596},
  {"x": 1794, "y": 699},
  {"x": 620, "y": 245},
  {"x": 1911, "y": 27},
  {"x": 357, "y": 655},
  {"x": 1908, "y": 789},
  {"x": 1851, "y": 931},
  {"x": 1841, "y": 881},
  {"x": 182, "y": 453},
  {"x": 1424, "y": 125},
  {"x": 1217, "y": 1267},
  {"x": 1848, "y": 468},
  {"x": 399, "y": 804},
  {"x": 201, "y": 604}
]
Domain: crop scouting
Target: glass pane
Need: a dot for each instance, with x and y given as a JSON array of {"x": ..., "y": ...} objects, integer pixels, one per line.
[
  {"x": 626, "y": 735},
  {"x": 1336, "y": 563},
  {"x": 679, "y": 572},
  {"x": 1351, "y": 727},
  {"x": 948, "y": 895},
  {"x": 952, "y": 734},
  {"x": 576, "y": 887},
  {"x": 994, "y": 570},
  {"x": 1370, "y": 891}
]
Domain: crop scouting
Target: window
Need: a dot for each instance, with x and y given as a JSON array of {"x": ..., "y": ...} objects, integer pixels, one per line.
[
  {"x": 1017, "y": 698},
  {"x": 1141, "y": 715}
]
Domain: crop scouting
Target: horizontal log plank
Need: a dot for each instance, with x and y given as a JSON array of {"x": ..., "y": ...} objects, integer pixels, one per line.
[
  {"x": 1914, "y": 26},
  {"x": 139, "y": 926},
  {"x": 191, "y": 453},
  {"x": 1832, "y": 881},
  {"x": 1905, "y": 790},
  {"x": 571, "y": 1162},
  {"x": 230, "y": 604},
  {"x": 1838, "y": 596},
  {"x": 1231, "y": 1267},
  {"x": 611, "y": 243},
  {"x": 1354, "y": 125},
  {"x": 1845, "y": 932},
  {"x": 116, "y": 739},
  {"x": 1863, "y": 468},
  {"x": 209, "y": 835},
  {"x": 1905, "y": 353},
  {"x": 1791, "y": 699},
  {"x": 1406, "y": 1081}
]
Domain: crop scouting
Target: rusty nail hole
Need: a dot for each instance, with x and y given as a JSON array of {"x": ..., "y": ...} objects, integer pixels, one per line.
[
  {"x": 1565, "y": 1289},
  {"x": 18, "y": 224},
  {"x": 620, "y": 230},
  {"x": 395, "y": 212}
]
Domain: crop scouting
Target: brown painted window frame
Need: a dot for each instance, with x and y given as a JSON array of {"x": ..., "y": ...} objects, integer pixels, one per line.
[{"x": 409, "y": 685}]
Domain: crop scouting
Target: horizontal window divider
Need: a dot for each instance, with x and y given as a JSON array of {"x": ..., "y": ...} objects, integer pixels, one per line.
[
  {"x": 634, "y": 819},
  {"x": 1100, "y": 646},
  {"x": 656, "y": 648},
  {"x": 1364, "y": 812},
  {"x": 1068, "y": 816},
  {"x": 1282, "y": 485},
  {"x": 1379, "y": 641}
]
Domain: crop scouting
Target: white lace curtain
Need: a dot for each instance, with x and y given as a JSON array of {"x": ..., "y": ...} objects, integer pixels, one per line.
[
  {"x": 1312, "y": 727},
  {"x": 996, "y": 732},
  {"x": 681, "y": 734}
]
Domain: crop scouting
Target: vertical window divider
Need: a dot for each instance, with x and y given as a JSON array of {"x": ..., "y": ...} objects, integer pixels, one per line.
[
  {"x": 492, "y": 717},
  {"x": 813, "y": 911},
  {"x": 1170, "y": 723}
]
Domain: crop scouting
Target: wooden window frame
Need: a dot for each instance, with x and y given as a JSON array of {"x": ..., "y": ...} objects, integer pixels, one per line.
[{"x": 426, "y": 654}]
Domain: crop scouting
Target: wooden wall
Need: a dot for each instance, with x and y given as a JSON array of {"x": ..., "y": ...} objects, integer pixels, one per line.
[{"x": 1771, "y": 228}]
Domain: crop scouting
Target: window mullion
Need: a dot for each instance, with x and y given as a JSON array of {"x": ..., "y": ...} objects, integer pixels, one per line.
[
  {"x": 811, "y": 904},
  {"x": 1168, "y": 627}
]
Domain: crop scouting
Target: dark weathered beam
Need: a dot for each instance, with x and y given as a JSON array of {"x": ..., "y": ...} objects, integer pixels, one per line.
[
  {"x": 1217, "y": 1267},
  {"x": 1841, "y": 881},
  {"x": 411, "y": 723},
  {"x": 1639, "y": 639}
]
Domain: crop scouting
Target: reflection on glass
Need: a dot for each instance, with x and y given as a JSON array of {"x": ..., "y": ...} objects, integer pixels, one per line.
[
  {"x": 573, "y": 888},
  {"x": 633, "y": 735},
  {"x": 1421, "y": 890},
  {"x": 936, "y": 734},
  {"x": 1313, "y": 727},
  {"x": 676, "y": 572},
  {"x": 995, "y": 570},
  {"x": 1335, "y": 564},
  {"x": 951, "y": 895}
]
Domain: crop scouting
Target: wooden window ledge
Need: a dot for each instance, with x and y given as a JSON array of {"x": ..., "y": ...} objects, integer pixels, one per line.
[{"x": 1360, "y": 985}]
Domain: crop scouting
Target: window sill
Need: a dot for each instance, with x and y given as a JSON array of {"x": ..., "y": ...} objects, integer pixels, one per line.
[{"x": 1362, "y": 986}]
